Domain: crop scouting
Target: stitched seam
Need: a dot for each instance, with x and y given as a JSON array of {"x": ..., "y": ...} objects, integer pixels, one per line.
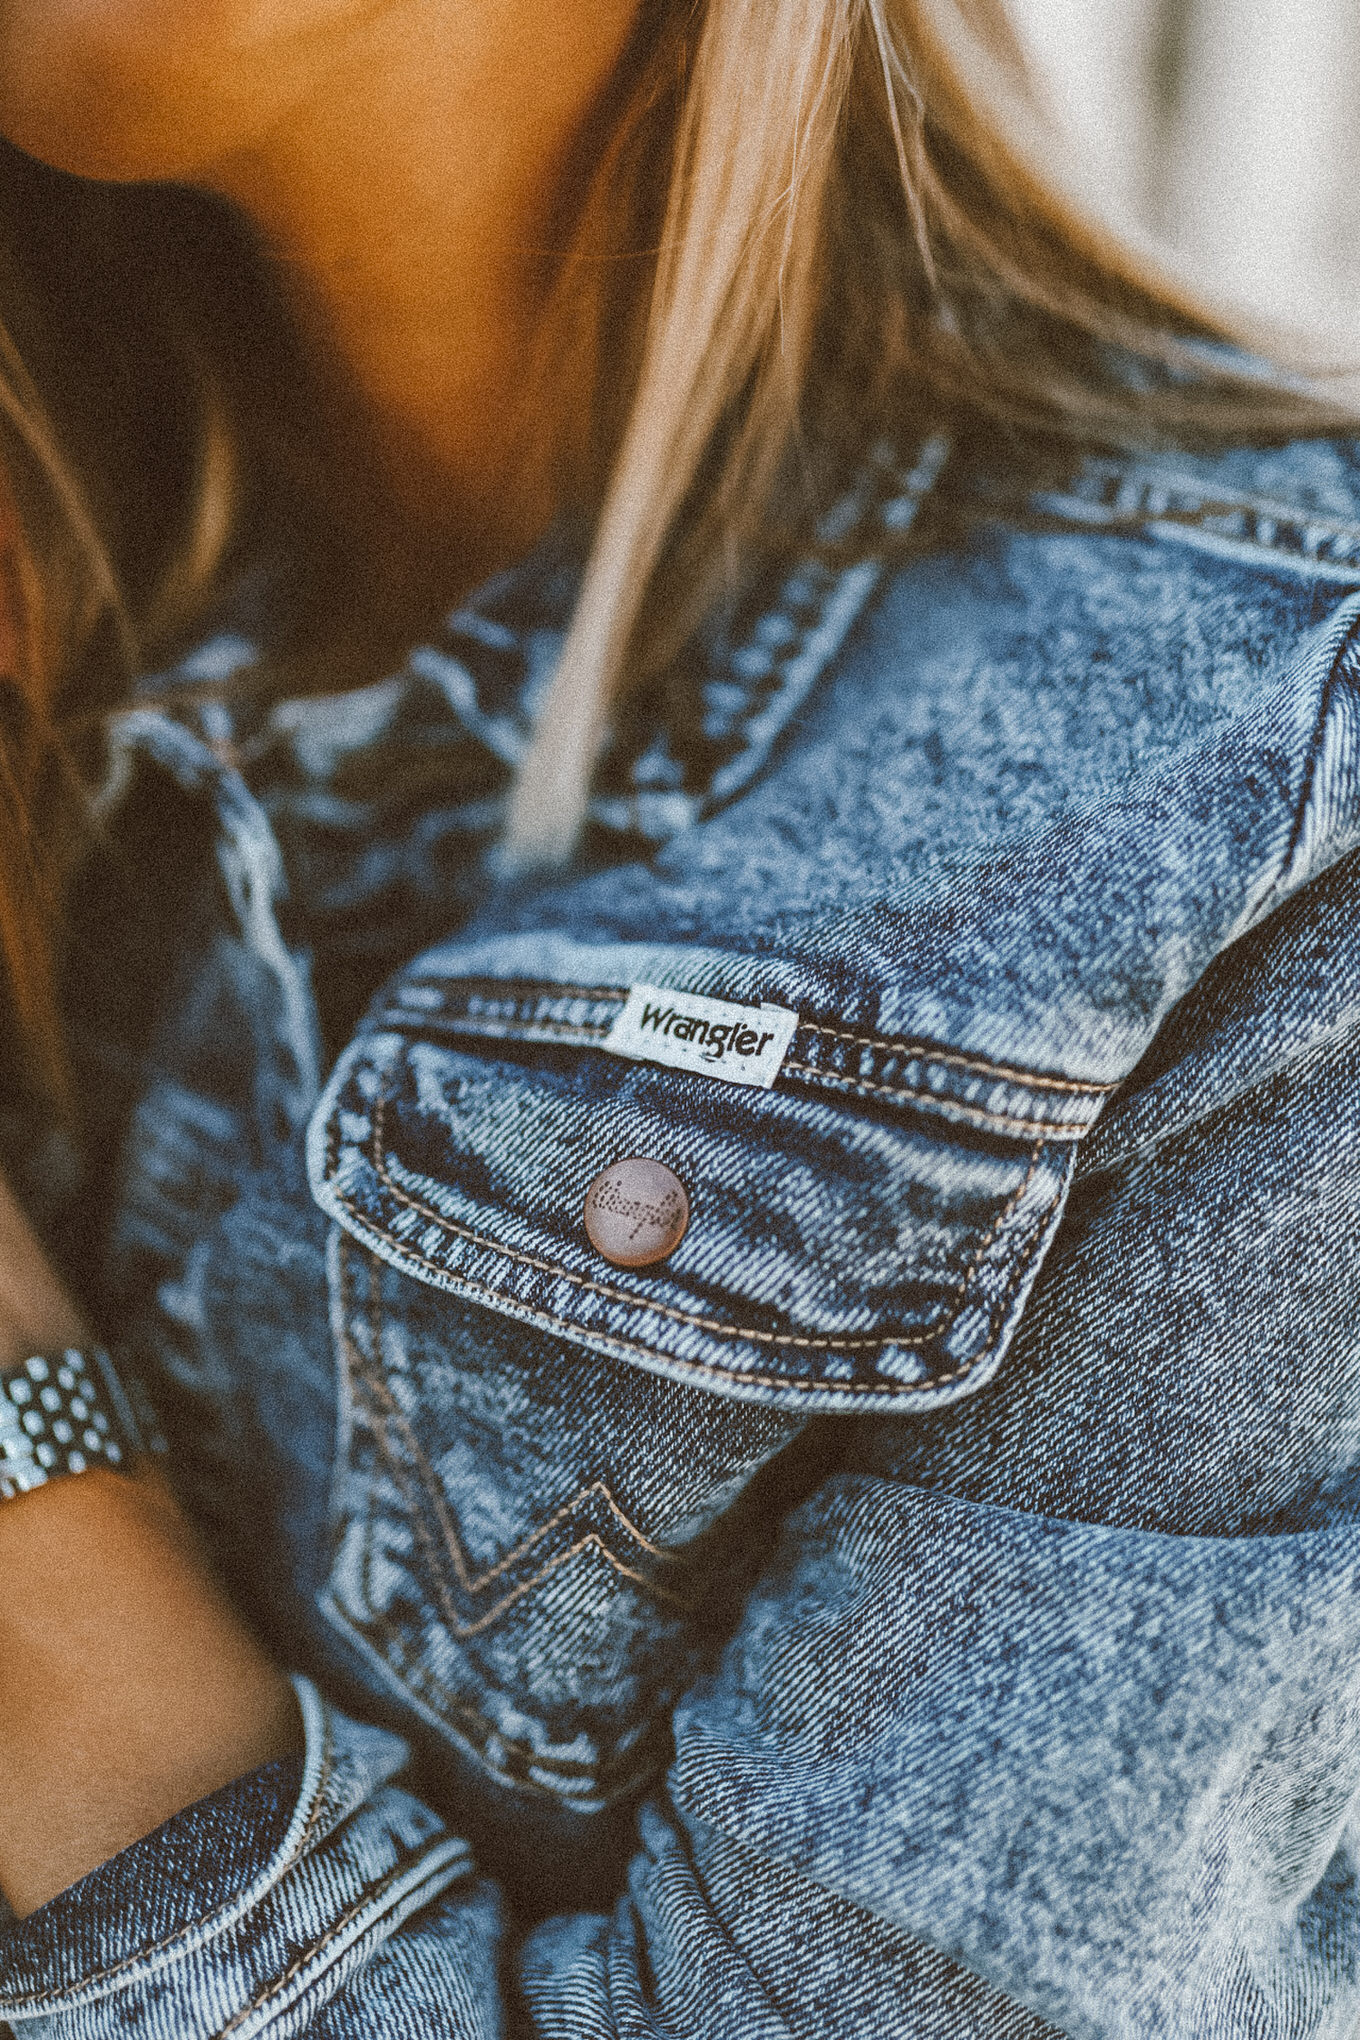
[
  {"x": 616, "y": 1295},
  {"x": 521, "y": 1550},
  {"x": 584, "y": 1034},
  {"x": 332, "y": 1933},
  {"x": 904, "y": 1044},
  {"x": 833, "y": 559},
  {"x": 583, "y": 1031},
  {"x": 403, "y": 1478},
  {"x": 993, "y": 1121},
  {"x": 395, "y": 1417},
  {"x": 502, "y": 985},
  {"x": 1194, "y": 507},
  {"x": 401, "y": 1473},
  {"x": 762, "y": 693},
  {"x": 1002, "y": 1216},
  {"x": 1197, "y": 504},
  {"x": 1338, "y": 563},
  {"x": 479, "y": 1728},
  {"x": 1316, "y": 740},
  {"x": 707, "y": 1371},
  {"x": 604, "y": 1289},
  {"x": 455, "y": 1622},
  {"x": 159, "y": 1947},
  {"x": 704, "y": 1369},
  {"x": 893, "y": 1044},
  {"x": 614, "y": 1776}
]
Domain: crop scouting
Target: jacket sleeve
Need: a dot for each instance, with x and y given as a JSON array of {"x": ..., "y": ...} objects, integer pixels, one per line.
[{"x": 961, "y": 1772}]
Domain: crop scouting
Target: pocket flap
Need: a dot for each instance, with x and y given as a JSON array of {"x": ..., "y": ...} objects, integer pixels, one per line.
[{"x": 866, "y": 1219}]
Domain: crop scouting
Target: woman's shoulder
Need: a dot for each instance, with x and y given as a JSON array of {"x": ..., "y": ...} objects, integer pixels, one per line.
[
  {"x": 1069, "y": 633},
  {"x": 969, "y": 803},
  {"x": 1144, "y": 586}
]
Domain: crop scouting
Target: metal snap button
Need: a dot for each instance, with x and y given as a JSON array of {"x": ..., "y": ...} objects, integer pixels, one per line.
[{"x": 636, "y": 1212}]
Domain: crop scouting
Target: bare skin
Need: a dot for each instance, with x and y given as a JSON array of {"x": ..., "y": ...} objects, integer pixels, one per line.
[
  {"x": 128, "y": 1686},
  {"x": 405, "y": 160}
]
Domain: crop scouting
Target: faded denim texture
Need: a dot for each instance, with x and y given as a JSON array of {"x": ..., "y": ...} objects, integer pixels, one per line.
[{"x": 929, "y": 1603}]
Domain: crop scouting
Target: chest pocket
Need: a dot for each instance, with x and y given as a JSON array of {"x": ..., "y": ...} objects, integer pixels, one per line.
[
  {"x": 551, "y": 1474},
  {"x": 864, "y": 1226}
]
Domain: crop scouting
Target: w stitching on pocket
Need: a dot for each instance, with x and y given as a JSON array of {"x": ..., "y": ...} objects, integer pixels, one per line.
[{"x": 389, "y": 1420}]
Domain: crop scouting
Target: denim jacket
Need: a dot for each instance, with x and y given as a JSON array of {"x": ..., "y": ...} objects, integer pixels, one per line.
[{"x": 926, "y": 1604}]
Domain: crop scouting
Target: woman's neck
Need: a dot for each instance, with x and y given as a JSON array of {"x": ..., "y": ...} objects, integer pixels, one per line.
[{"x": 413, "y": 194}]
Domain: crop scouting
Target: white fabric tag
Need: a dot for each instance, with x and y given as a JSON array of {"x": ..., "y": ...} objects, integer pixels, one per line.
[{"x": 739, "y": 1044}]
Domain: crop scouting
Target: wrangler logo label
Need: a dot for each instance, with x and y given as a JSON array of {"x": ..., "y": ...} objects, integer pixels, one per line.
[{"x": 739, "y": 1044}]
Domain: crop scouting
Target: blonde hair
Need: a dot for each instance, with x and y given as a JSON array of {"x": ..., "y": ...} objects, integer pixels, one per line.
[
  {"x": 872, "y": 162},
  {"x": 853, "y": 230}
]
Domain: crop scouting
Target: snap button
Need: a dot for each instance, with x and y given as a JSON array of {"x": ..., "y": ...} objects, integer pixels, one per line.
[{"x": 636, "y": 1212}]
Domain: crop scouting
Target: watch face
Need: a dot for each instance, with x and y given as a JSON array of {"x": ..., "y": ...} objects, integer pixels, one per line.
[{"x": 56, "y": 1417}]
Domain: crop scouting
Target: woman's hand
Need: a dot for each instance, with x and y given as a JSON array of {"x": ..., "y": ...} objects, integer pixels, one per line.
[{"x": 129, "y": 1687}]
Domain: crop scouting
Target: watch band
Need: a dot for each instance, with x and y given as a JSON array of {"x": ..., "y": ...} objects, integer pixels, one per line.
[{"x": 64, "y": 1413}]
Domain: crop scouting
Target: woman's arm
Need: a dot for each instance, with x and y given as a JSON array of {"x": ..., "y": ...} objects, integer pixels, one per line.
[{"x": 128, "y": 1686}]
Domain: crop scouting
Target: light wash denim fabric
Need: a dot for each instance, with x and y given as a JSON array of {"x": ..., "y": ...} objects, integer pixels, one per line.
[{"x": 929, "y": 1603}]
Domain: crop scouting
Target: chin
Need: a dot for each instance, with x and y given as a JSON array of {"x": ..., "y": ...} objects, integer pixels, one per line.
[
  {"x": 107, "y": 158},
  {"x": 94, "y": 92}
]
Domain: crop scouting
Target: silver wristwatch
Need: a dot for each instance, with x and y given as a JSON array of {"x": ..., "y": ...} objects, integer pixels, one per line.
[{"x": 66, "y": 1413}]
